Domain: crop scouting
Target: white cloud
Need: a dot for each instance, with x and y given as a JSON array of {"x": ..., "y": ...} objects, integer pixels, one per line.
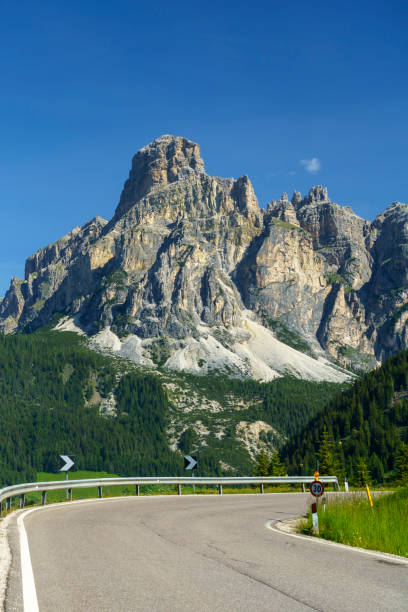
[{"x": 311, "y": 165}]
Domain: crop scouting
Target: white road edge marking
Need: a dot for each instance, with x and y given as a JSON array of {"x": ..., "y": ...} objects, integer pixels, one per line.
[
  {"x": 30, "y": 601},
  {"x": 384, "y": 556}
]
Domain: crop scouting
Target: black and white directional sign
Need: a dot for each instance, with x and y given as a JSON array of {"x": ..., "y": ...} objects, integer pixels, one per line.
[
  {"x": 190, "y": 462},
  {"x": 317, "y": 488},
  {"x": 66, "y": 463}
]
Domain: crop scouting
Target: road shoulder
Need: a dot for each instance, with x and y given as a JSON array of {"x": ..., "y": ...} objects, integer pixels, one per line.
[{"x": 289, "y": 527}]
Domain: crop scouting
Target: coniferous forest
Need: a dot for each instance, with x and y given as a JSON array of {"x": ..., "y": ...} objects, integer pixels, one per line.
[
  {"x": 362, "y": 429},
  {"x": 50, "y": 392},
  {"x": 54, "y": 400}
]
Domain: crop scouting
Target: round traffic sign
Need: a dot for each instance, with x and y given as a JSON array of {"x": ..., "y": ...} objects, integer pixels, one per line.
[{"x": 316, "y": 488}]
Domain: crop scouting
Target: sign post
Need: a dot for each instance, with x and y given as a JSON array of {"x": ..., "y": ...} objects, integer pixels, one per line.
[
  {"x": 315, "y": 518},
  {"x": 317, "y": 490},
  {"x": 66, "y": 464},
  {"x": 190, "y": 463}
]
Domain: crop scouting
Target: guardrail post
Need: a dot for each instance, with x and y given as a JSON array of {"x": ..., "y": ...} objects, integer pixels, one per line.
[
  {"x": 179, "y": 489},
  {"x": 43, "y": 497},
  {"x": 100, "y": 491},
  {"x": 8, "y": 503},
  {"x": 220, "y": 489},
  {"x": 262, "y": 488},
  {"x": 137, "y": 490},
  {"x": 70, "y": 494},
  {"x": 303, "y": 487},
  {"x": 22, "y": 500}
]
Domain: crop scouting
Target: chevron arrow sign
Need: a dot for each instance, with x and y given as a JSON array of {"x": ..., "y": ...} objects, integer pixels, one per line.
[
  {"x": 190, "y": 462},
  {"x": 67, "y": 462}
]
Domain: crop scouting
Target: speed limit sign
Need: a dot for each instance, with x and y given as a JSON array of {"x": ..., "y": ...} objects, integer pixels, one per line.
[{"x": 316, "y": 488}]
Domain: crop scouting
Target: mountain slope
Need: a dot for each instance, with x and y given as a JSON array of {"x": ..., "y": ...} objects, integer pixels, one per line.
[
  {"x": 58, "y": 397},
  {"x": 192, "y": 269},
  {"x": 370, "y": 419}
]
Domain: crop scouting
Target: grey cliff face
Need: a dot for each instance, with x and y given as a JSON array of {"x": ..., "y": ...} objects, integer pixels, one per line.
[
  {"x": 164, "y": 161},
  {"x": 189, "y": 264}
]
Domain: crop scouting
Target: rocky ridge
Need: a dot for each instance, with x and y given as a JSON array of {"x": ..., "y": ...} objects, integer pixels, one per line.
[{"x": 192, "y": 274}]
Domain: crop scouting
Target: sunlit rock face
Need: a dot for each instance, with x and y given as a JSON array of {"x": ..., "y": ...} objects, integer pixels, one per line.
[{"x": 191, "y": 272}]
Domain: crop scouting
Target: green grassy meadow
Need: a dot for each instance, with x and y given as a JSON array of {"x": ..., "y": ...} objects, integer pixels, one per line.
[{"x": 352, "y": 521}]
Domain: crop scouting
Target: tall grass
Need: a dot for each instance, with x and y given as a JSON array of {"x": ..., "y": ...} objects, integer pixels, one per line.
[{"x": 352, "y": 521}]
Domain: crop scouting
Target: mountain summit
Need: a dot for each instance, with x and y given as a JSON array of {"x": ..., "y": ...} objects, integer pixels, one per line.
[
  {"x": 165, "y": 160},
  {"x": 191, "y": 274}
]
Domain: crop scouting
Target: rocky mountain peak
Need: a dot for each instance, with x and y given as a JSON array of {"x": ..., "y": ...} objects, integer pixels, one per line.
[
  {"x": 316, "y": 195},
  {"x": 393, "y": 212},
  {"x": 165, "y": 160},
  {"x": 191, "y": 274},
  {"x": 244, "y": 195},
  {"x": 296, "y": 198}
]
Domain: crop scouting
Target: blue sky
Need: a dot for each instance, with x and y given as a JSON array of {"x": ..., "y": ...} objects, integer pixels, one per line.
[{"x": 261, "y": 86}]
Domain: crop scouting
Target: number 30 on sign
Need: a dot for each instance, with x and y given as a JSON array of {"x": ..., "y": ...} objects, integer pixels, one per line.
[{"x": 316, "y": 488}]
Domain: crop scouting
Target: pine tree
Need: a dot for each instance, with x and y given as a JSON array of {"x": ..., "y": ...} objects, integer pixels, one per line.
[
  {"x": 262, "y": 464},
  {"x": 328, "y": 462},
  {"x": 276, "y": 467},
  {"x": 363, "y": 474},
  {"x": 376, "y": 468},
  {"x": 401, "y": 464},
  {"x": 341, "y": 472}
]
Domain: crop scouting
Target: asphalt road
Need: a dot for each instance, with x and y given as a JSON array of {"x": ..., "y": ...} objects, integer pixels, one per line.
[{"x": 195, "y": 553}]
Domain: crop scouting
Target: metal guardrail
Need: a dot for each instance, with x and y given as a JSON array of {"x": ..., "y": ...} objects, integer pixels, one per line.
[{"x": 7, "y": 493}]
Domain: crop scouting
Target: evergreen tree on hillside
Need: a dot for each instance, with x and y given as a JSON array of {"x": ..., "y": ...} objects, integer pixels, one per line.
[
  {"x": 328, "y": 460},
  {"x": 376, "y": 468},
  {"x": 188, "y": 441},
  {"x": 276, "y": 467},
  {"x": 401, "y": 465},
  {"x": 262, "y": 464},
  {"x": 370, "y": 419},
  {"x": 363, "y": 474}
]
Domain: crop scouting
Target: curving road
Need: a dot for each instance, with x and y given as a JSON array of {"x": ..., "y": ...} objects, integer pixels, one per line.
[{"x": 194, "y": 553}]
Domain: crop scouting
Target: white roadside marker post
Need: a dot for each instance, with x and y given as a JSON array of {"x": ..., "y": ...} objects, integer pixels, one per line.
[
  {"x": 315, "y": 518},
  {"x": 346, "y": 485}
]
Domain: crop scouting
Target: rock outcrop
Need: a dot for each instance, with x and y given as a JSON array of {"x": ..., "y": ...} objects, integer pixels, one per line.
[{"x": 191, "y": 273}]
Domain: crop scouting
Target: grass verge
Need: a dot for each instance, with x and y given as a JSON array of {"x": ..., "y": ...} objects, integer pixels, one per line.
[{"x": 352, "y": 521}]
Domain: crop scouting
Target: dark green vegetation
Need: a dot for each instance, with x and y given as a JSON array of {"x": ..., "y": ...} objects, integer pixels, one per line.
[
  {"x": 266, "y": 466},
  {"x": 51, "y": 387},
  {"x": 352, "y": 521},
  {"x": 58, "y": 397},
  {"x": 285, "y": 404},
  {"x": 361, "y": 430}
]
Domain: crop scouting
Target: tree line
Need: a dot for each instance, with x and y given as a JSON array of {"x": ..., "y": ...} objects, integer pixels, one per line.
[
  {"x": 51, "y": 387},
  {"x": 361, "y": 433}
]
